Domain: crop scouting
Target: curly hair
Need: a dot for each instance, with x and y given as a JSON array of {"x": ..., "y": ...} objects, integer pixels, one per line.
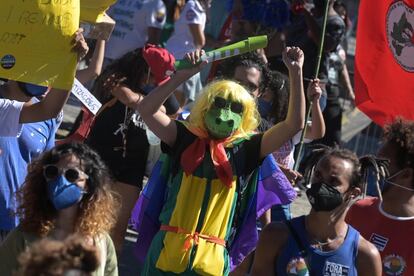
[
  {"x": 54, "y": 258},
  {"x": 228, "y": 90},
  {"x": 400, "y": 134},
  {"x": 278, "y": 84},
  {"x": 97, "y": 209},
  {"x": 131, "y": 69}
]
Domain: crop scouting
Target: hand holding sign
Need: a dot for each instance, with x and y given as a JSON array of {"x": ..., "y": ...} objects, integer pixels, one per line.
[{"x": 80, "y": 47}]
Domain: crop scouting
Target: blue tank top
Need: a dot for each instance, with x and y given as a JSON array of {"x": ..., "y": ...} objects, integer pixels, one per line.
[{"x": 339, "y": 262}]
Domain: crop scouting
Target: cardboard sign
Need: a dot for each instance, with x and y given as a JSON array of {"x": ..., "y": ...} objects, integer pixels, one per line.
[
  {"x": 86, "y": 97},
  {"x": 93, "y": 10},
  {"x": 36, "y": 41},
  {"x": 101, "y": 30}
]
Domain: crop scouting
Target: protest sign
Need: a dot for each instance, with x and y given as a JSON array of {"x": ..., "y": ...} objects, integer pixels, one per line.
[
  {"x": 101, "y": 30},
  {"x": 36, "y": 41},
  {"x": 86, "y": 97}
]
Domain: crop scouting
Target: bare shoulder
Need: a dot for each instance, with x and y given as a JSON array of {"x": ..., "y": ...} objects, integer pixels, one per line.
[
  {"x": 276, "y": 233},
  {"x": 272, "y": 239},
  {"x": 368, "y": 259},
  {"x": 367, "y": 249}
]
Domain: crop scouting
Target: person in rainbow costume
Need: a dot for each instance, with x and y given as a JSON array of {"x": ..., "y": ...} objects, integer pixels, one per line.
[{"x": 211, "y": 171}]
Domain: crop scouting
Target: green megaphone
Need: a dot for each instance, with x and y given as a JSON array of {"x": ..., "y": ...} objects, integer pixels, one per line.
[{"x": 238, "y": 48}]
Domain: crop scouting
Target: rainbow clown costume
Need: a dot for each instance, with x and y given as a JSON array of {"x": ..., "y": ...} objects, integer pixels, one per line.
[{"x": 198, "y": 213}]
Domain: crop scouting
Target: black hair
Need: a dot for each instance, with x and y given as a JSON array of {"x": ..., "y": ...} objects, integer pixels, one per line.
[
  {"x": 278, "y": 84},
  {"x": 400, "y": 135},
  {"x": 247, "y": 60},
  {"x": 131, "y": 69},
  {"x": 360, "y": 169}
]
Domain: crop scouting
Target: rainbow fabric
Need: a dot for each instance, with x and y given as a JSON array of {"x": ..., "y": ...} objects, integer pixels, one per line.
[{"x": 269, "y": 187}]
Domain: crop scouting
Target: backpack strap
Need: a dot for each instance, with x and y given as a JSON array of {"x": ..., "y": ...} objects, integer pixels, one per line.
[{"x": 303, "y": 252}]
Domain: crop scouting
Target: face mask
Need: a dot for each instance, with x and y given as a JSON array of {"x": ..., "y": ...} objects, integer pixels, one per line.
[
  {"x": 264, "y": 107},
  {"x": 386, "y": 183},
  {"x": 223, "y": 118},
  {"x": 63, "y": 193},
  {"x": 323, "y": 197},
  {"x": 32, "y": 90}
]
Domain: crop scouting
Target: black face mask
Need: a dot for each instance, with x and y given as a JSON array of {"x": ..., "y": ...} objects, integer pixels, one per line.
[{"x": 323, "y": 197}]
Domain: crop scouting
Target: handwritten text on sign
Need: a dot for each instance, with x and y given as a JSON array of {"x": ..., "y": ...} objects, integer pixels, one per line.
[
  {"x": 36, "y": 41},
  {"x": 86, "y": 97}
]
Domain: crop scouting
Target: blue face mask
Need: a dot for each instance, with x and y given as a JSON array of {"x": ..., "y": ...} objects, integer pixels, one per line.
[
  {"x": 264, "y": 107},
  {"x": 63, "y": 193}
]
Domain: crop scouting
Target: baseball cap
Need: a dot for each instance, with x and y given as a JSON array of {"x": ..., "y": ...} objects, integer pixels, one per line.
[{"x": 160, "y": 62}]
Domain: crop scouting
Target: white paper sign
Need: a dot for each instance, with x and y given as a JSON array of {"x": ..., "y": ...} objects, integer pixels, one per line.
[{"x": 86, "y": 97}]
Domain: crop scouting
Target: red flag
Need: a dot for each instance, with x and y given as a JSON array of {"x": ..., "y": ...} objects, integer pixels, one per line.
[{"x": 384, "y": 60}]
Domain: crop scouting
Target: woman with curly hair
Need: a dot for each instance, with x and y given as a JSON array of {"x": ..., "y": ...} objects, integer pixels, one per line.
[{"x": 66, "y": 191}]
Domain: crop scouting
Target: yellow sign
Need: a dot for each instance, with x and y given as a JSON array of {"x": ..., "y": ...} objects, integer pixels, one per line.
[
  {"x": 93, "y": 10},
  {"x": 36, "y": 41}
]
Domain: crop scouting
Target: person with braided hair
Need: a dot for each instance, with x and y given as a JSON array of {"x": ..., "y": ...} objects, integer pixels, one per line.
[
  {"x": 391, "y": 220},
  {"x": 321, "y": 243}
]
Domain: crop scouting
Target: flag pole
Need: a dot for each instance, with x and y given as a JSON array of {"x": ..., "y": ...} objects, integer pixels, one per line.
[{"x": 309, "y": 108}]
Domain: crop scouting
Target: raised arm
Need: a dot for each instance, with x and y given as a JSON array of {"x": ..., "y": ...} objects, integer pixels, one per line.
[
  {"x": 95, "y": 65},
  {"x": 282, "y": 132},
  {"x": 45, "y": 109},
  {"x": 317, "y": 129},
  {"x": 149, "y": 108},
  {"x": 197, "y": 32},
  {"x": 129, "y": 98}
]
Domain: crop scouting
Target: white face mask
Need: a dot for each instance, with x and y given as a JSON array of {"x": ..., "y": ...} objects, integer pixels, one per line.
[{"x": 395, "y": 184}]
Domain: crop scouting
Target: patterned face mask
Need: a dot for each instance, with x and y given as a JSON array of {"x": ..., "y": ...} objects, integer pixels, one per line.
[{"x": 223, "y": 118}]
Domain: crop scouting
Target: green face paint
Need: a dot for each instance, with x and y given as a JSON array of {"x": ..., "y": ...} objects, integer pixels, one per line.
[{"x": 223, "y": 118}]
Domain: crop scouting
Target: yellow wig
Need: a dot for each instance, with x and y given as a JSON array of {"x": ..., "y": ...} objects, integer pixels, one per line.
[{"x": 228, "y": 90}]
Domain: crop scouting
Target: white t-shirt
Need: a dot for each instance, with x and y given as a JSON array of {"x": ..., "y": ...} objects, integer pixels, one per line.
[
  {"x": 133, "y": 18},
  {"x": 9, "y": 117},
  {"x": 181, "y": 42}
]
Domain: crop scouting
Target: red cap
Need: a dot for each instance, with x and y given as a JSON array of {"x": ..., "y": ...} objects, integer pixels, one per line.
[{"x": 160, "y": 62}]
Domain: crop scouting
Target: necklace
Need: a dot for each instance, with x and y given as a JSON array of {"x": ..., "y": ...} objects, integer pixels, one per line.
[{"x": 318, "y": 244}]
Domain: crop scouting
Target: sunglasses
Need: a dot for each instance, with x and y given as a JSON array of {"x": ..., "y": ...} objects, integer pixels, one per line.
[
  {"x": 220, "y": 103},
  {"x": 249, "y": 86},
  {"x": 52, "y": 172}
]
